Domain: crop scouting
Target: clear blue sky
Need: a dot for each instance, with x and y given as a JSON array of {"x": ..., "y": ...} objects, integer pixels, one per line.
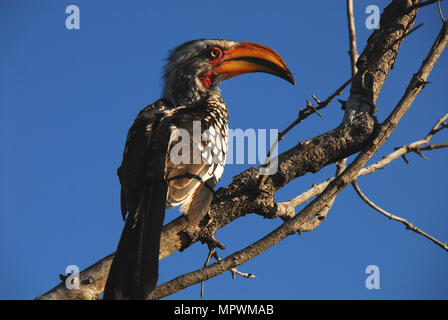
[{"x": 68, "y": 97}]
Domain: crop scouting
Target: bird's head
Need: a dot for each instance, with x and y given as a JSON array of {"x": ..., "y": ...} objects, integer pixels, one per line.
[{"x": 195, "y": 68}]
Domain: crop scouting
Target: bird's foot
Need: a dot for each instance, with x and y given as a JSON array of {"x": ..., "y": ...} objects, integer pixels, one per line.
[{"x": 212, "y": 244}]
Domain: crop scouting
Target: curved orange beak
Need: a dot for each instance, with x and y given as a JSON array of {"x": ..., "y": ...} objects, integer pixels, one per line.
[{"x": 252, "y": 57}]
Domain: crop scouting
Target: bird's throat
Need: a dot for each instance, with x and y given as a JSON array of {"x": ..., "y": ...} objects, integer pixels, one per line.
[
  {"x": 208, "y": 78},
  {"x": 188, "y": 90}
]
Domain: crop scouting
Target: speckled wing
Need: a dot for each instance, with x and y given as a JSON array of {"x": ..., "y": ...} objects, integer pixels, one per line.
[{"x": 195, "y": 162}]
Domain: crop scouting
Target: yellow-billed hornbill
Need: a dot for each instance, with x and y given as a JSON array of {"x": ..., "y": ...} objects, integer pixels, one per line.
[{"x": 150, "y": 176}]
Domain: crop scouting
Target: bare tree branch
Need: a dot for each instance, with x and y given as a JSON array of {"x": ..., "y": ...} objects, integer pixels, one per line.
[
  {"x": 408, "y": 225},
  {"x": 402, "y": 151}
]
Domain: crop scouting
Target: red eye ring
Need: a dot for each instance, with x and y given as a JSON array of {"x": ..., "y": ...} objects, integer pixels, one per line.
[{"x": 215, "y": 53}]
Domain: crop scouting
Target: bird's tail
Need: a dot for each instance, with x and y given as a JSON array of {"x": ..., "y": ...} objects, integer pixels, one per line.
[{"x": 134, "y": 270}]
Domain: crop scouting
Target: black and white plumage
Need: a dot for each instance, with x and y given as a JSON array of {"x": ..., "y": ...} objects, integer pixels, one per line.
[{"x": 175, "y": 153}]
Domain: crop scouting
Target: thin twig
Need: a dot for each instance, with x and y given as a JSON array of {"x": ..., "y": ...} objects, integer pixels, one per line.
[
  {"x": 303, "y": 114},
  {"x": 352, "y": 36},
  {"x": 432, "y": 146},
  {"x": 405, "y": 35},
  {"x": 440, "y": 125},
  {"x": 235, "y": 271},
  {"x": 403, "y": 150},
  {"x": 408, "y": 225},
  {"x": 422, "y": 4},
  {"x": 440, "y": 12},
  {"x": 414, "y": 29},
  {"x": 212, "y": 250},
  {"x": 341, "y": 165}
]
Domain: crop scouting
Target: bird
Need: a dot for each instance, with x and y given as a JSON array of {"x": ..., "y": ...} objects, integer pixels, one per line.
[{"x": 175, "y": 153}]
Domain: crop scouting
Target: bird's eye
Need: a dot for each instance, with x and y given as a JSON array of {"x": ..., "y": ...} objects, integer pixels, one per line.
[{"x": 215, "y": 53}]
